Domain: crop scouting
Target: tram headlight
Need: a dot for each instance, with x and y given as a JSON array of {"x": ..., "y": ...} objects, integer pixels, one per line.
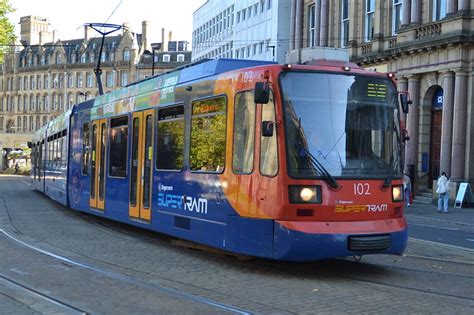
[
  {"x": 397, "y": 193},
  {"x": 305, "y": 194}
]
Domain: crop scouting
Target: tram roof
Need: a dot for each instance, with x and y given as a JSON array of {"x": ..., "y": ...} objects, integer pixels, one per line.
[{"x": 178, "y": 76}]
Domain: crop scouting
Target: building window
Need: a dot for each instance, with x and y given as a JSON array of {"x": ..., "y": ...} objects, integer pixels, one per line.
[
  {"x": 311, "y": 26},
  {"x": 439, "y": 9},
  {"x": 124, "y": 78},
  {"x": 89, "y": 80},
  {"x": 269, "y": 4},
  {"x": 244, "y": 133},
  {"x": 79, "y": 80},
  {"x": 166, "y": 58},
  {"x": 59, "y": 58},
  {"x": 180, "y": 58},
  {"x": 83, "y": 58},
  {"x": 396, "y": 16},
  {"x": 345, "y": 23},
  {"x": 70, "y": 81},
  {"x": 126, "y": 54},
  {"x": 208, "y": 135},
  {"x": 118, "y": 144},
  {"x": 110, "y": 79},
  {"x": 369, "y": 20},
  {"x": 170, "y": 146}
]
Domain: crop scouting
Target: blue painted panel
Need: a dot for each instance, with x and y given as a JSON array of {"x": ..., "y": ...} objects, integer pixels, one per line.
[
  {"x": 425, "y": 162},
  {"x": 437, "y": 102},
  {"x": 249, "y": 236},
  {"x": 297, "y": 246}
]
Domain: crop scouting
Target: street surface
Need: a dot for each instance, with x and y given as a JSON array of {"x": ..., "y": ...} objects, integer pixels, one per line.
[{"x": 57, "y": 261}]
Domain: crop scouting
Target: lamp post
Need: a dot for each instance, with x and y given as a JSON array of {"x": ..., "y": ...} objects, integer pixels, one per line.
[{"x": 151, "y": 53}]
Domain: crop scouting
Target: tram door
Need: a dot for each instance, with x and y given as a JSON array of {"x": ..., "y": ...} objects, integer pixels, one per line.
[
  {"x": 98, "y": 145},
  {"x": 141, "y": 165}
]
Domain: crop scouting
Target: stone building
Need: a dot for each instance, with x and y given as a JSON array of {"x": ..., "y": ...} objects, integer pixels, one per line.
[
  {"x": 429, "y": 45},
  {"x": 45, "y": 75}
]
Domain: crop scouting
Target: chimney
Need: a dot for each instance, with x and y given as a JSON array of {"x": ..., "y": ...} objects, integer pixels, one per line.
[
  {"x": 145, "y": 44},
  {"x": 55, "y": 36},
  {"x": 86, "y": 32},
  {"x": 125, "y": 28},
  {"x": 162, "y": 39},
  {"x": 170, "y": 36}
]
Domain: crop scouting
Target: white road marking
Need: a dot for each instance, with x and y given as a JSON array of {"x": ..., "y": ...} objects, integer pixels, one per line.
[{"x": 434, "y": 226}]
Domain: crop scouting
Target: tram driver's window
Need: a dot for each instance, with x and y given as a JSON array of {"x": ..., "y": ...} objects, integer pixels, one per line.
[
  {"x": 244, "y": 133},
  {"x": 268, "y": 145},
  {"x": 208, "y": 135},
  {"x": 170, "y": 144},
  {"x": 118, "y": 147}
]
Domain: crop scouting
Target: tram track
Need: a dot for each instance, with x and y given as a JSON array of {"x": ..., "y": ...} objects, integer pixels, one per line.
[
  {"x": 37, "y": 294},
  {"x": 327, "y": 271},
  {"x": 268, "y": 265}
]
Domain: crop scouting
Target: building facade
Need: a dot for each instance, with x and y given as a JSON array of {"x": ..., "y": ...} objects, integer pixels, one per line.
[
  {"x": 241, "y": 29},
  {"x": 429, "y": 45},
  {"x": 44, "y": 76}
]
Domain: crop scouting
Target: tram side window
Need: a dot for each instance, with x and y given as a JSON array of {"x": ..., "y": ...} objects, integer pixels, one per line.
[
  {"x": 244, "y": 133},
  {"x": 64, "y": 150},
  {"x": 208, "y": 135},
  {"x": 34, "y": 159},
  {"x": 268, "y": 145},
  {"x": 170, "y": 144},
  {"x": 85, "y": 148},
  {"x": 118, "y": 147}
]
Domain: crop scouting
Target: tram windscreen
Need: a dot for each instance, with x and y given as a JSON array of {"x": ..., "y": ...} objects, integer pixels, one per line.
[{"x": 347, "y": 125}]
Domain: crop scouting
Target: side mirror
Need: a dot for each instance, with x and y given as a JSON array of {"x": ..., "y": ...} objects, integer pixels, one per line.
[
  {"x": 404, "y": 102},
  {"x": 267, "y": 128},
  {"x": 261, "y": 93}
]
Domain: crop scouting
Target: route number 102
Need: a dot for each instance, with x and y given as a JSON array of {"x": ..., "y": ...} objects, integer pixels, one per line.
[{"x": 361, "y": 189}]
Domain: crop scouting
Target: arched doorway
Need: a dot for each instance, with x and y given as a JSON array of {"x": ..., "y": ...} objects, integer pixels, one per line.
[{"x": 435, "y": 135}]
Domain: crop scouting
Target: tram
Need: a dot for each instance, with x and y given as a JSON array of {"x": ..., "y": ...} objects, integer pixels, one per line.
[{"x": 286, "y": 162}]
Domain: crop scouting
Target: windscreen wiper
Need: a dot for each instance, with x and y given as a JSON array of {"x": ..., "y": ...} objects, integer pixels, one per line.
[
  {"x": 388, "y": 180},
  {"x": 314, "y": 161}
]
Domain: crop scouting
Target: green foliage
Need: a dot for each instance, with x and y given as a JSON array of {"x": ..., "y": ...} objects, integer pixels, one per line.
[
  {"x": 208, "y": 143},
  {"x": 7, "y": 31}
]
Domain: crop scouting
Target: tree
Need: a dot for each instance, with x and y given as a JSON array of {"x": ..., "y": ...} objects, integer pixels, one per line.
[{"x": 7, "y": 31}]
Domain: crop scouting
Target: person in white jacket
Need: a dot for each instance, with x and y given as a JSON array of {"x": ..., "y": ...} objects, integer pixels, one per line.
[{"x": 443, "y": 192}]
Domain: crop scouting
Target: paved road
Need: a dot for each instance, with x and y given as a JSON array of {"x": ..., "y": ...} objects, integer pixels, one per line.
[
  {"x": 56, "y": 261},
  {"x": 454, "y": 228}
]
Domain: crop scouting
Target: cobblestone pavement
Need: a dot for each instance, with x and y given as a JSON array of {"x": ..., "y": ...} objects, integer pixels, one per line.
[{"x": 427, "y": 279}]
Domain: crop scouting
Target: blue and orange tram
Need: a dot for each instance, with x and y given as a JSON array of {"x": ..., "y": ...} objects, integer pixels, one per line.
[{"x": 287, "y": 162}]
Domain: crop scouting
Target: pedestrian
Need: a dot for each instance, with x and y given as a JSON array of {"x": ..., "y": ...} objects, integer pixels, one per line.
[
  {"x": 407, "y": 188},
  {"x": 442, "y": 188},
  {"x": 17, "y": 168}
]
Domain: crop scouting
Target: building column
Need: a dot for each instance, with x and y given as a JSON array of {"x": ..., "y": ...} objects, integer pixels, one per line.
[
  {"x": 463, "y": 5},
  {"x": 317, "y": 22},
  {"x": 324, "y": 23},
  {"x": 402, "y": 85},
  {"x": 411, "y": 154},
  {"x": 447, "y": 122},
  {"x": 452, "y": 6},
  {"x": 406, "y": 9},
  {"x": 415, "y": 11},
  {"x": 299, "y": 25},
  {"x": 459, "y": 126},
  {"x": 292, "y": 24}
]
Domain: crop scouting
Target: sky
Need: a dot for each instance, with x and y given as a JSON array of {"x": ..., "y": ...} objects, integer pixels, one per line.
[{"x": 69, "y": 16}]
